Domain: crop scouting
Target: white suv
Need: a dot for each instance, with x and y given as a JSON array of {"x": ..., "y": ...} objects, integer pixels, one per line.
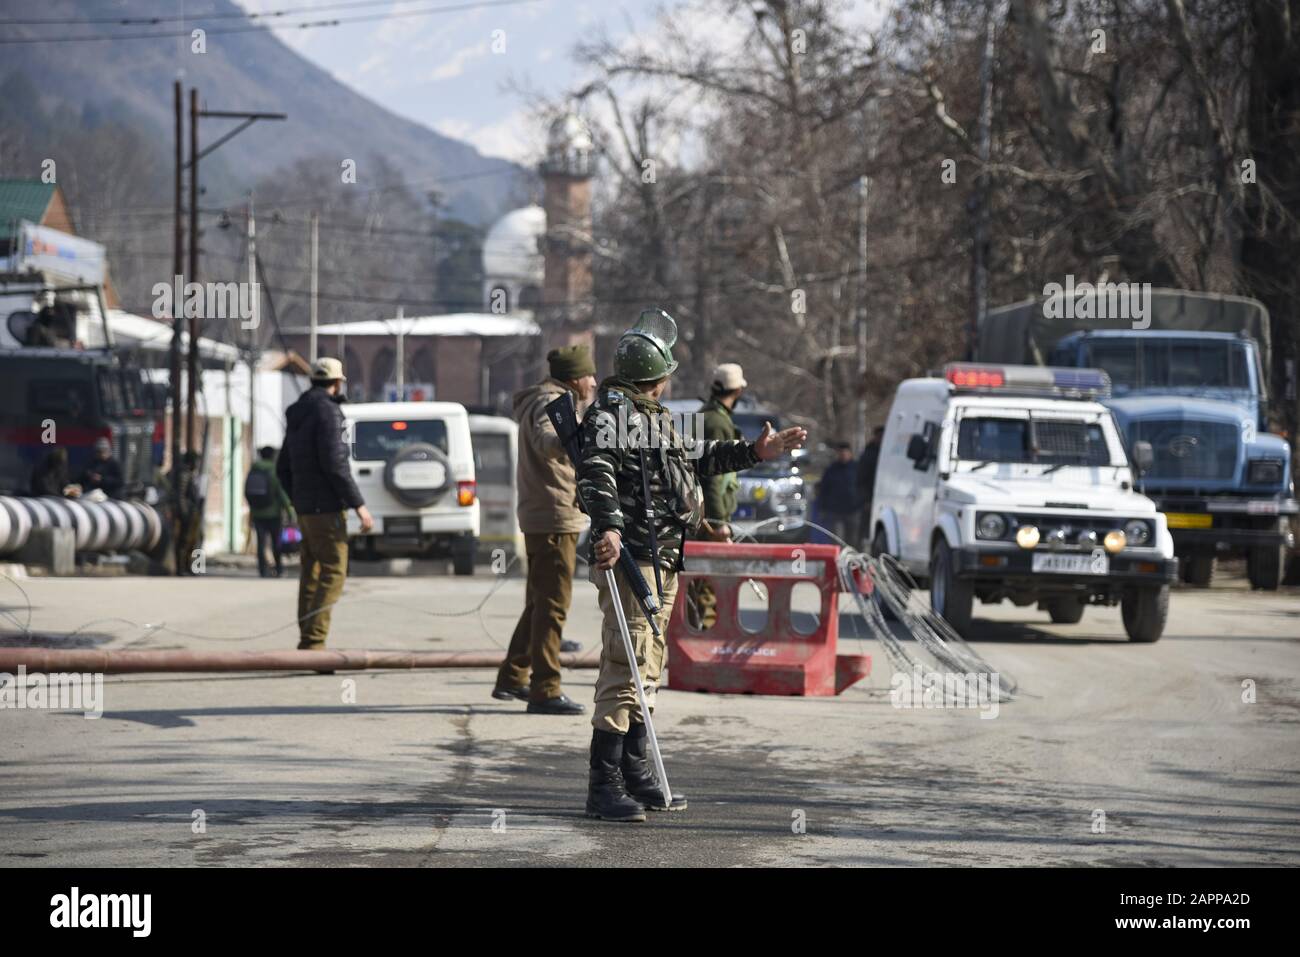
[
  {"x": 1012, "y": 482},
  {"x": 414, "y": 465}
]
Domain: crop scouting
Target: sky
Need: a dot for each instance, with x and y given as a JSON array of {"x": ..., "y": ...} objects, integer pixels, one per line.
[{"x": 453, "y": 71}]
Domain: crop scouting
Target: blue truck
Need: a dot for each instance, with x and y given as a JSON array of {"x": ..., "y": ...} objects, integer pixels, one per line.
[{"x": 1188, "y": 377}]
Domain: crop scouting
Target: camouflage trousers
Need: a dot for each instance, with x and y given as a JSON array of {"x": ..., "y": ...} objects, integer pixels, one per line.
[{"x": 616, "y": 702}]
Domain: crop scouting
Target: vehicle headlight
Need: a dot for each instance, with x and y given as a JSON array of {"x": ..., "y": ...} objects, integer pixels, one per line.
[
  {"x": 1115, "y": 541},
  {"x": 1027, "y": 536},
  {"x": 991, "y": 525},
  {"x": 1137, "y": 532},
  {"x": 1264, "y": 472},
  {"x": 1087, "y": 538}
]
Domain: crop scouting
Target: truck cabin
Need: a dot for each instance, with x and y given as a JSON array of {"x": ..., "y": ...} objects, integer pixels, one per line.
[{"x": 1214, "y": 365}]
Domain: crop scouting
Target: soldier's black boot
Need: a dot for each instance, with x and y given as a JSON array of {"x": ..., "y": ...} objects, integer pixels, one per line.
[
  {"x": 607, "y": 798},
  {"x": 639, "y": 772}
]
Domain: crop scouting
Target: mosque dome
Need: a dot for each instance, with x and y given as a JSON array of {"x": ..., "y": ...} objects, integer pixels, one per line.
[{"x": 511, "y": 249}]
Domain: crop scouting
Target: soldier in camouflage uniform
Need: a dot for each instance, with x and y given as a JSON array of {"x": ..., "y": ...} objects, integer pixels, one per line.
[{"x": 626, "y": 427}]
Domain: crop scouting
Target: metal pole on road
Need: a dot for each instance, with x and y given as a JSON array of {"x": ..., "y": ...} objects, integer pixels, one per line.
[{"x": 120, "y": 662}]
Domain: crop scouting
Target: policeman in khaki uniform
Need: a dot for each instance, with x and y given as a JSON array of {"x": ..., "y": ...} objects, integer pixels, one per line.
[
  {"x": 627, "y": 428},
  {"x": 551, "y": 521}
]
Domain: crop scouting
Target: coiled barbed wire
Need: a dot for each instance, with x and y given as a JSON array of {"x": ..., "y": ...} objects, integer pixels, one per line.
[{"x": 893, "y": 590}]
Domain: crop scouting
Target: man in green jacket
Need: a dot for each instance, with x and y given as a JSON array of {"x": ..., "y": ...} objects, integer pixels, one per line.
[
  {"x": 719, "y": 490},
  {"x": 267, "y": 504},
  {"x": 719, "y": 426}
]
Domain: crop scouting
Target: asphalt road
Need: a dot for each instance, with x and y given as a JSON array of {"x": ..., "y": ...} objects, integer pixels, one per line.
[{"x": 1154, "y": 741}]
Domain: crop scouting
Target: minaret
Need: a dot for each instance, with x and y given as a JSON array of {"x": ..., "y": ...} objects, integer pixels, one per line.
[{"x": 566, "y": 174}]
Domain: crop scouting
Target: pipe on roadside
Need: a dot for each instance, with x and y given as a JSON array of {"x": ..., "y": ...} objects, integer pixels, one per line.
[
  {"x": 113, "y": 662},
  {"x": 110, "y": 525}
]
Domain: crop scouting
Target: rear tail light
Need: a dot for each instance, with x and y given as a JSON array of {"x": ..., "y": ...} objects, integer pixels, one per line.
[{"x": 465, "y": 493}]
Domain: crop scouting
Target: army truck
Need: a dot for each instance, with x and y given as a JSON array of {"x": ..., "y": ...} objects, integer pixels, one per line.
[
  {"x": 62, "y": 386},
  {"x": 1187, "y": 376}
]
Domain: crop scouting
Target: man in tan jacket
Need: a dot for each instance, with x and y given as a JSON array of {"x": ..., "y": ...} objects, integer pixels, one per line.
[{"x": 551, "y": 521}]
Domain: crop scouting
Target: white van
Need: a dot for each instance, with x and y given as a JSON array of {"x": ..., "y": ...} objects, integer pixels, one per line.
[
  {"x": 496, "y": 460},
  {"x": 1012, "y": 482},
  {"x": 414, "y": 465}
]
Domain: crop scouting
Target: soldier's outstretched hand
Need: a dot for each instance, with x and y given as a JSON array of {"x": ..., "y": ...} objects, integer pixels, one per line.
[{"x": 773, "y": 445}]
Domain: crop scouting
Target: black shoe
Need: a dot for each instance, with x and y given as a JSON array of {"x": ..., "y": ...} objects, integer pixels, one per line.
[
  {"x": 639, "y": 773},
  {"x": 560, "y": 704},
  {"x": 517, "y": 693},
  {"x": 570, "y": 647},
  {"x": 607, "y": 798}
]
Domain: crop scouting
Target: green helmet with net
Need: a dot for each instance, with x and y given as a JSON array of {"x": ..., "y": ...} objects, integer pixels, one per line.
[{"x": 644, "y": 352}]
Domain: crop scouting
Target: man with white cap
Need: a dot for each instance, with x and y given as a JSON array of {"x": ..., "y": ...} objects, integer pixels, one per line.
[
  {"x": 719, "y": 426},
  {"x": 313, "y": 468}
]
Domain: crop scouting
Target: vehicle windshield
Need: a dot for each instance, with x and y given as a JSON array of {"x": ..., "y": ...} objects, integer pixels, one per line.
[
  {"x": 492, "y": 458},
  {"x": 1165, "y": 363},
  {"x": 384, "y": 439},
  {"x": 1032, "y": 441}
]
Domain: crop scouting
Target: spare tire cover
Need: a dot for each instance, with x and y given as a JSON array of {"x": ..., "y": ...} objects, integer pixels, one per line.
[{"x": 418, "y": 475}]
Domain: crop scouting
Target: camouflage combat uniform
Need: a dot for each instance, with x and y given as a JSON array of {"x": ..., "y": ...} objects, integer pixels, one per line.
[{"x": 610, "y": 483}]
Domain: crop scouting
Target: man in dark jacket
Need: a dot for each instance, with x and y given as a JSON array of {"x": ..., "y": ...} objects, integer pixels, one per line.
[
  {"x": 50, "y": 477},
  {"x": 313, "y": 469},
  {"x": 867, "y": 483},
  {"x": 837, "y": 496},
  {"x": 104, "y": 472}
]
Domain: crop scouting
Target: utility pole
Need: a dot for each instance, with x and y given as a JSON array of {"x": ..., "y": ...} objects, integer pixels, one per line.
[
  {"x": 864, "y": 185},
  {"x": 401, "y": 355},
  {"x": 178, "y": 311},
  {"x": 256, "y": 324},
  {"x": 192, "y": 361},
  {"x": 315, "y": 252},
  {"x": 980, "y": 201}
]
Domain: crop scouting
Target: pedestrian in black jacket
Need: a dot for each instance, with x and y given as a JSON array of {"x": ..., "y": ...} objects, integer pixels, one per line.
[
  {"x": 837, "y": 496},
  {"x": 313, "y": 469},
  {"x": 50, "y": 477},
  {"x": 867, "y": 464},
  {"x": 104, "y": 472}
]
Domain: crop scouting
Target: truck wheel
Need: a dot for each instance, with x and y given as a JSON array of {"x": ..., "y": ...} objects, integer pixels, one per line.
[
  {"x": 1065, "y": 611},
  {"x": 1145, "y": 611},
  {"x": 1198, "y": 569},
  {"x": 462, "y": 557},
  {"x": 1264, "y": 567},
  {"x": 949, "y": 596}
]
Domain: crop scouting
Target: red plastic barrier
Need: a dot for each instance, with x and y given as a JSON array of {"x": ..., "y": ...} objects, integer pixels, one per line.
[{"x": 776, "y": 659}]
